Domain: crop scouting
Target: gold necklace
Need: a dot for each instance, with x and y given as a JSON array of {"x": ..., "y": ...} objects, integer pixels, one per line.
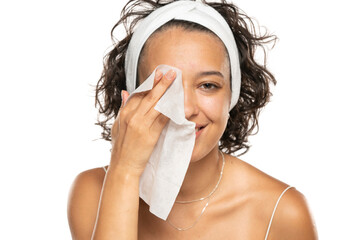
[{"x": 200, "y": 199}]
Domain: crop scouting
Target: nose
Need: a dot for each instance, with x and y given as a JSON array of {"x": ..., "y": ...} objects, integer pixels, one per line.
[{"x": 191, "y": 107}]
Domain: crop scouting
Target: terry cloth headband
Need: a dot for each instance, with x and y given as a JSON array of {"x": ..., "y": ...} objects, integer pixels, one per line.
[{"x": 192, "y": 11}]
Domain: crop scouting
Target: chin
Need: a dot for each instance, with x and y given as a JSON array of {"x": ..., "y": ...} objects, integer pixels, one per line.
[{"x": 200, "y": 151}]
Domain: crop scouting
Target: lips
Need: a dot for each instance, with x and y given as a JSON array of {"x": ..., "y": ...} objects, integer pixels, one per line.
[
  {"x": 199, "y": 126},
  {"x": 199, "y": 129}
]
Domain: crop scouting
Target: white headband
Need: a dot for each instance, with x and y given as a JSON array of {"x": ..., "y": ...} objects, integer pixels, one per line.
[{"x": 192, "y": 11}]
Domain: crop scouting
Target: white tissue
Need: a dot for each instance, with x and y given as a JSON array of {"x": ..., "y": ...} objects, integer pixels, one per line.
[{"x": 166, "y": 169}]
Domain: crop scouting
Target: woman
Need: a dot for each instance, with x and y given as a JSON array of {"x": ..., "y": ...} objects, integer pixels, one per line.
[{"x": 216, "y": 200}]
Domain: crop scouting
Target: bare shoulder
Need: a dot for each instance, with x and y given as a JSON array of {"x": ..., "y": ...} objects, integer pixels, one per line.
[
  {"x": 292, "y": 219},
  {"x": 254, "y": 180},
  {"x": 83, "y": 202}
]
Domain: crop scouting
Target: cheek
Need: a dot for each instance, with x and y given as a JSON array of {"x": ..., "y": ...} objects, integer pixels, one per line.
[{"x": 215, "y": 107}]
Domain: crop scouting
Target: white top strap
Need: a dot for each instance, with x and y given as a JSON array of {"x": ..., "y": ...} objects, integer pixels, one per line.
[
  {"x": 104, "y": 167},
  {"x": 272, "y": 216}
]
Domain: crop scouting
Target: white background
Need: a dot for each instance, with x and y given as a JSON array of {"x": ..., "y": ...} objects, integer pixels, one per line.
[{"x": 51, "y": 52}]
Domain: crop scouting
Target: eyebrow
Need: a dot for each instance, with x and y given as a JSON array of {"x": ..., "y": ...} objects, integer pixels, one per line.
[{"x": 209, "y": 73}]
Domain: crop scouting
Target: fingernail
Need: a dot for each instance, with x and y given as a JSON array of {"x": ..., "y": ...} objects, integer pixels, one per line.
[
  {"x": 158, "y": 75},
  {"x": 170, "y": 74}
]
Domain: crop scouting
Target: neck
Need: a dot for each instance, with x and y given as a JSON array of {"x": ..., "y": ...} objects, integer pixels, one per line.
[{"x": 201, "y": 177}]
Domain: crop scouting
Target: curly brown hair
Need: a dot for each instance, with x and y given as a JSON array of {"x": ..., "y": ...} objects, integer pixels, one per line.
[{"x": 255, "y": 82}]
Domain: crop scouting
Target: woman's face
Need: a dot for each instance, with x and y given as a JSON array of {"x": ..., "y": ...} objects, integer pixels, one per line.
[{"x": 205, "y": 70}]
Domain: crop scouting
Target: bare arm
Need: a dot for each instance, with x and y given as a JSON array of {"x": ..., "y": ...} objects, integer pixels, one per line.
[
  {"x": 119, "y": 205},
  {"x": 134, "y": 134}
]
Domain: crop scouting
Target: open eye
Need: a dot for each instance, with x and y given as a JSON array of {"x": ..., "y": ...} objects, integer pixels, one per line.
[{"x": 209, "y": 86}]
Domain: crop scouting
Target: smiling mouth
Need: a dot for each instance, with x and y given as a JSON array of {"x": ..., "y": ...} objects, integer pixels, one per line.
[{"x": 199, "y": 128}]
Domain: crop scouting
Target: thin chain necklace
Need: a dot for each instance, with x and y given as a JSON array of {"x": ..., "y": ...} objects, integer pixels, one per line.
[
  {"x": 200, "y": 199},
  {"x": 211, "y": 193}
]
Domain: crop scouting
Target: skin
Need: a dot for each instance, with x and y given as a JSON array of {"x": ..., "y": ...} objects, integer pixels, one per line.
[{"x": 107, "y": 206}]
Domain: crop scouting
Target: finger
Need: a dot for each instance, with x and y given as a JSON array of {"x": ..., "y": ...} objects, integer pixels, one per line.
[
  {"x": 130, "y": 105},
  {"x": 114, "y": 128},
  {"x": 141, "y": 95},
  {"x": 158, "y": 76},
  {"x": 128, "y": 110},
  {"x": 158, "y": 125},
  {"x": 125, "y": 96},
  {"x": 122, "y": 102},
  {"x": 116, "y": 125},
  {"x": 150, "y": 100}
]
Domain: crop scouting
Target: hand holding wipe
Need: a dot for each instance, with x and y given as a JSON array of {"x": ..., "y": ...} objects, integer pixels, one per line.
[{"x": 165, "y": 171}]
